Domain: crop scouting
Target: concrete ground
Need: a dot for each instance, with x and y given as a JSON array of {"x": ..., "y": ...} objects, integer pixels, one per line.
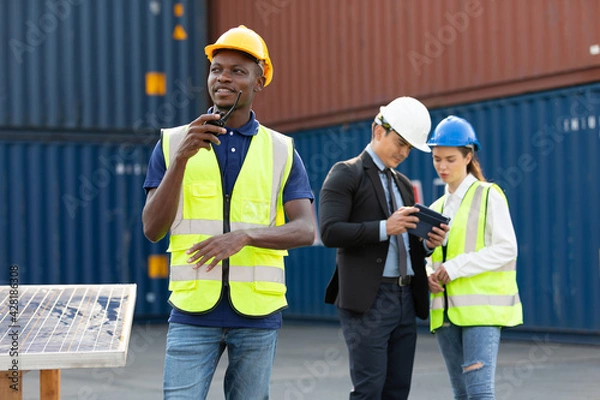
[{"x": 312, "y": 363}]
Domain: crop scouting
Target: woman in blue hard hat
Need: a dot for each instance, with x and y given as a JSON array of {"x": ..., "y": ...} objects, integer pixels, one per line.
[{"x": 473, "y": 274}]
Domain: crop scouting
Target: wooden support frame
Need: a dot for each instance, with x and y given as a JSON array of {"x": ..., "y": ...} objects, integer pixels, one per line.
[
  {"x": 10, "y": 381},
  {"x": 50, "y": 384}
]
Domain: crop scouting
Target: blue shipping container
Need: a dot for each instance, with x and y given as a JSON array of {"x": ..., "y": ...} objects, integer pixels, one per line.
[
  {"x": 71, "y": 212},
  {"x": 103, "y": 64},
  {"x": 543, "y": 149}
]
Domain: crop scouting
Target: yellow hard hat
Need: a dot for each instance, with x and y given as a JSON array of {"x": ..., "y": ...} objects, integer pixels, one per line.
[{"x": 247, "y": 41}]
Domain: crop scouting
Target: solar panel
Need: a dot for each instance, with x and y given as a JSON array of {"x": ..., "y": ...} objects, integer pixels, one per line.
[{"x": 67, "y": 326}]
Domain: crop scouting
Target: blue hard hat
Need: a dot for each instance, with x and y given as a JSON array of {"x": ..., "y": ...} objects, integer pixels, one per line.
[{"x": 454, "y": 131}]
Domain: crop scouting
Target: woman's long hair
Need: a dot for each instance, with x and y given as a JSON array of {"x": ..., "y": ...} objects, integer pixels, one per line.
[{"x": 473, "y": 167}]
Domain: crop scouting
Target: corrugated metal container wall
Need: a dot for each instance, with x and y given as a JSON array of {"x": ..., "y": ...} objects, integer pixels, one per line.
[
  {"x": 336, "y": 61},
  {"x": 84, "y": 64},
  {"x": 543, "y": 150},
  {"x": 71, "y": 213}
]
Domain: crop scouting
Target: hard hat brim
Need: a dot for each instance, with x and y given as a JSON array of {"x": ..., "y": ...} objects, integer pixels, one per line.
[
  {"x": 475, "y": 145},
  {"x": 211, "y": 48},
  {"x": 423, "y": 147}
]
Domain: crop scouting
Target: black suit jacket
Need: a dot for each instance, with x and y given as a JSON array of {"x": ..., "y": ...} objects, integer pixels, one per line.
[{"x": 352, "y": 202}]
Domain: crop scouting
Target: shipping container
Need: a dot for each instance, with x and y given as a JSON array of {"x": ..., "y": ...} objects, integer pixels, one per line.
[
  {"x": 104, "y": 64},
  {"x": 336, "y": 61},
  {"x": 542, "y": 149},
  {"x": 70, "y": 213}
]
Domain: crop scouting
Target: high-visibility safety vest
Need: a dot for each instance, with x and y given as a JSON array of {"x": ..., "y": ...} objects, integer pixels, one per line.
[
  {"x": 256, "y": 276},
  {"x": 487, "y": 299}
]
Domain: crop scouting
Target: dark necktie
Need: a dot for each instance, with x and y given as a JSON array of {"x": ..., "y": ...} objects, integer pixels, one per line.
[{"x": 399, "y": 240}]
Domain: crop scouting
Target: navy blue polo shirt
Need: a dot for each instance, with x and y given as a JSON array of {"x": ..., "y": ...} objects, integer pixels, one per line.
[{"x": 231, "y": 154}]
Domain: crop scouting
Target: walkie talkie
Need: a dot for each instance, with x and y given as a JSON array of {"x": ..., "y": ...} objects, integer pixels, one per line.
[{"x": 224, "y": 117}]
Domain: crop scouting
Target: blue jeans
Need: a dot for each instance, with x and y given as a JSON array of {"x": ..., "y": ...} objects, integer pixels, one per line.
[
  {"x": 193, "y": 353},
  {"x": 476, "y": 349}
]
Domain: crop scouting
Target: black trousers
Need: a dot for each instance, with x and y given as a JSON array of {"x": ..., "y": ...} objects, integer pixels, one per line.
[{"x": 381, "y": 345}]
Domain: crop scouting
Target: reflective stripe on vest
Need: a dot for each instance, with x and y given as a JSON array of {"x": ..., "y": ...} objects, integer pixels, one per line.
[
  {"x": 489, "y": 298},
  {"x": 475, "y": 300},
  {"x": 256, "y": 275}
]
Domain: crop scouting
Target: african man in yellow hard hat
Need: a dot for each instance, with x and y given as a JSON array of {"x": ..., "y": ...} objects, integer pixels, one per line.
[{"x": 222, "y": 186}]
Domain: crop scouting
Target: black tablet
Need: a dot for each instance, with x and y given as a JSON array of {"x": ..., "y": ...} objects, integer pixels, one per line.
[{"x": 427, "y": 220}]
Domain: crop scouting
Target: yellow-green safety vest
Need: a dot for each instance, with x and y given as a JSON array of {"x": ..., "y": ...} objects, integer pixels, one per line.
[
  {"x": 487, "y": 299},
  {"x": 256, "y": 275}
]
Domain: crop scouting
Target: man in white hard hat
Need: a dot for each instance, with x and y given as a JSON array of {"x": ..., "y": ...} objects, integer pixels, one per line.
[
  {"x": 234, "y": 195},
  {"x": 380, "y": 283}
]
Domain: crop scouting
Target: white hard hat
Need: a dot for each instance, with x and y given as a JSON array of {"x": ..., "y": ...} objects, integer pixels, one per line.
[{"x": 409, "y": 118}]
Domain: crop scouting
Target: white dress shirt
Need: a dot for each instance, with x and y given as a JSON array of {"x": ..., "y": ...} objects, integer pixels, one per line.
[
  {"x": 500, "y": 240},
  {"x": 391, "y": 268}
]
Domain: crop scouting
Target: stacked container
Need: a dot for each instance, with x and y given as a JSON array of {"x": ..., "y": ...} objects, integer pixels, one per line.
[{"x": 84, "y": 90}]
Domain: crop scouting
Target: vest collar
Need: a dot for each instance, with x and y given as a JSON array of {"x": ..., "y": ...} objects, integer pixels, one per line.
[
  {"x": 462, "y": 188},
  {"x": 250, "y": 128}
]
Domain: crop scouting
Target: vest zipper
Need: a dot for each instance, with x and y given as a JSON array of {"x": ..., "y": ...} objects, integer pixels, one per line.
[
  {"x": 444, "y": 251},
  {"x": 226, "y": 229}
]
